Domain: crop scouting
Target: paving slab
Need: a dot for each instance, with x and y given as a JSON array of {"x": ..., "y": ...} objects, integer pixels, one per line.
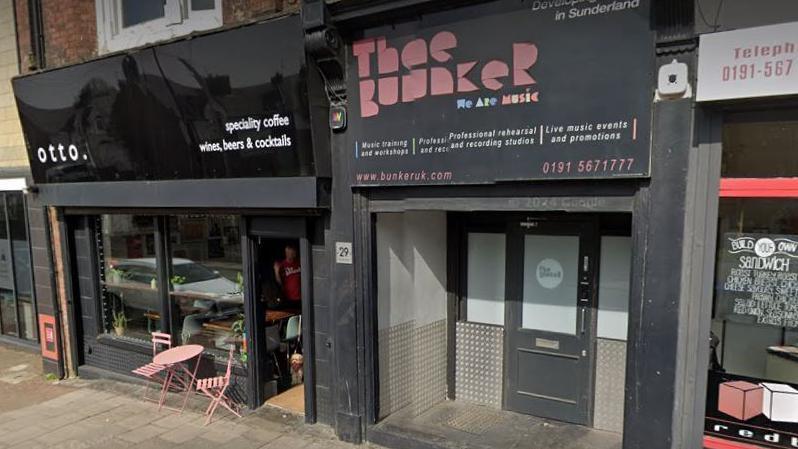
[{"x": 105, "y": 414}]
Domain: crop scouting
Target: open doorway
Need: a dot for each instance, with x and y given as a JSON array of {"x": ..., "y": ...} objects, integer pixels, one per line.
[{"x": 278, "y": 289}]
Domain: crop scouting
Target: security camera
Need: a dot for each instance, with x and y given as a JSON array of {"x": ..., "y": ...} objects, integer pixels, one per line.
[{"x": 672, "y": 81}]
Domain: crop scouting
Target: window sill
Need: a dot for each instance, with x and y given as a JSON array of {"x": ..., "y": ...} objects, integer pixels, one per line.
[{"x": 143, "y": 347}]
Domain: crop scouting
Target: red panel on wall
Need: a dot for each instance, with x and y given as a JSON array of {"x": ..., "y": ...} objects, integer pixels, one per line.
[
  {"x": 759, "y": 188},
  {"x": 48, "y": 336},
  {"x": 720, "y": 443}
]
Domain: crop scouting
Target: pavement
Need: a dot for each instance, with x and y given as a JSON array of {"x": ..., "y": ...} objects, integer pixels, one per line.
[{"x": 83, "y": 414}]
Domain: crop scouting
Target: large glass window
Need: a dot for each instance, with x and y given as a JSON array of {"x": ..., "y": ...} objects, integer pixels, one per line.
[
  {"x": 23, "y": 276},
  {"x": 198, "y": 278},
  {"x": 206, "y": 284},
  {"x": 760, "y": 148},
  {"x": 752, "y": 393},
  {"x": 8, "y": 312},
  {"x": 130, "y": 287},
  {"x": 17, "y": 310}
]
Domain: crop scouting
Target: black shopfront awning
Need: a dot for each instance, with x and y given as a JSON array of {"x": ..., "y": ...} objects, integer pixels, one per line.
[{"x": 216, "y": 120}]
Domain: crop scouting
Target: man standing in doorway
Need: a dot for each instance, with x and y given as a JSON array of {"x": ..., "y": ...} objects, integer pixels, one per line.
[{"x": 287, "y": 272}]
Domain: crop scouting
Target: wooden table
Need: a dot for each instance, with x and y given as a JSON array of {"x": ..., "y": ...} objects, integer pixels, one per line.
[
  {"x": 219, "y": 325},
  {"x": 226, "y": 325},
  {"x": 277, "y": 315}
]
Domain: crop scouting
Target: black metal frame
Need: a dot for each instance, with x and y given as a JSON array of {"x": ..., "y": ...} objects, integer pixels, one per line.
[{"x": 280, "y": 228}]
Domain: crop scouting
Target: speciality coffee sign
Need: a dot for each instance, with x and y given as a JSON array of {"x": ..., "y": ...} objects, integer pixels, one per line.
[
  {"x": 190, "y": 109},
  {"x": 752, "y": 62},
  {"x": 508, "y": 90},
  {"x": 757, "y": 279}
]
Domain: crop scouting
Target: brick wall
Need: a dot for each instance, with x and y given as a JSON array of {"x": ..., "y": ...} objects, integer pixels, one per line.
[
  {"x": 70, "y": 26},
  {"x": 12, "y": 144},
  {"x": 70, "y": 31},
  {"x": 235, "y": 11}
]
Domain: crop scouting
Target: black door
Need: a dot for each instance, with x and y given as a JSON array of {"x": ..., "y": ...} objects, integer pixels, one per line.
[{"x": 549, "y": 316}]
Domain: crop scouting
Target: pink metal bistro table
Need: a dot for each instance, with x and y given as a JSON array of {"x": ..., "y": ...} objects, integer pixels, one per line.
[{"x": 176, "y": 360}]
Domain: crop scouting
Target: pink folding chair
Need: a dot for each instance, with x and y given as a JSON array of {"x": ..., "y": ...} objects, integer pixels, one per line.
[
  {"x": 152, "y": 371},
  {"x": 215, "y": 388}
]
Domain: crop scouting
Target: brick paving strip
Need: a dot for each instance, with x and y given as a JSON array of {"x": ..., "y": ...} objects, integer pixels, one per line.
[{"x": 84, "y": 414}]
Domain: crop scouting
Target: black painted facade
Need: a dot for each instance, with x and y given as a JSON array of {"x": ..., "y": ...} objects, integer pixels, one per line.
[{"x": 674, "y": 211}]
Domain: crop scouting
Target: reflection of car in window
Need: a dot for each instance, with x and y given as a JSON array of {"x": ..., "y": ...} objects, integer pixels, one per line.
[{"x": 206, "y": 288}]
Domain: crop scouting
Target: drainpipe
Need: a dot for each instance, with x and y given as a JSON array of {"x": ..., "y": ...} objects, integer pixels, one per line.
[{"x": 36, "y": 59}]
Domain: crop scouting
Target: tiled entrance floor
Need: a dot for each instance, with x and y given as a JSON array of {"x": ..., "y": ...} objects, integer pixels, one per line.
[{"x": 461, "y": 425}]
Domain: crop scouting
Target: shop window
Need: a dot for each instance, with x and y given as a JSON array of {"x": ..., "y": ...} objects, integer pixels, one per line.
[
  {"x": 752, "y": 394},
  {"x": 760, "y": 148},
  {"x": 130, "y": 284},
  {"x": 124, "y": 24},
  {"x": 485, "y": 278},
  {"x": 206, "y": 280},
  {"x": 17, "y": 309},
  {"x": 8, "y": 320},
  {"x": 23, "y": 275}
]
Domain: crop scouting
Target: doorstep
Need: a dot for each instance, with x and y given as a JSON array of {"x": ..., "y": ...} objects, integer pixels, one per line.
[{"x": 460, "y": 425}]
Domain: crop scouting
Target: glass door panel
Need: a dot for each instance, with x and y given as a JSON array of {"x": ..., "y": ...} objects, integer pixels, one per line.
[{"x": 551, "y": 282}]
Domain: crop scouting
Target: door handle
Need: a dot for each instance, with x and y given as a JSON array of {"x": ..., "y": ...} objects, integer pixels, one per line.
[{"x": 583, "y": 321}]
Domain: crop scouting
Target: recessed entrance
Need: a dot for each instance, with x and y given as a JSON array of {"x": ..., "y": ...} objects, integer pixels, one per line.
[{"x": 490, "y": 323}]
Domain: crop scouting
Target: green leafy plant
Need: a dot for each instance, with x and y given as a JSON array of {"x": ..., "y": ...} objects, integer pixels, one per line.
[
  {"x": 240, "y": 282},
  {"x": 177, "y": 280},
  {"x": 238, "y": 328},
  {"x": 116, "y": 275},
  {"x": 119, "y": 322},
  {"x": 50, "y": 377}
]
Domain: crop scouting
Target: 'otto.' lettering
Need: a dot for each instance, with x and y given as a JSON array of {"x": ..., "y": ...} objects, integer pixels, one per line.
[
  {"x": 60, "y": 153},
  {"x": 420, "y": 79}
]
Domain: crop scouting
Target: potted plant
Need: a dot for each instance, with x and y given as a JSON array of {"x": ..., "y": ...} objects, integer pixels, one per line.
[
  {"x": 115, "y": 275},
  {"x": 119, "y": 322},
  {"x": 240, "y": 334}
]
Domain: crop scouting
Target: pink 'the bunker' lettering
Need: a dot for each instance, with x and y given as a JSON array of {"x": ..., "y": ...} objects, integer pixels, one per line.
[{"x": 422, "y": 77}]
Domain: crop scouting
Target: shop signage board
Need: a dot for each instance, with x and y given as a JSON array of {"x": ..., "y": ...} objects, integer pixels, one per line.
[
  {"x": 747, "y": 63},
  {"x": 755, "y": 412},
  {"x": 230, "y": 104},
  {"x": 757, "y": 280},
  {"x": 502, "y": 91}
]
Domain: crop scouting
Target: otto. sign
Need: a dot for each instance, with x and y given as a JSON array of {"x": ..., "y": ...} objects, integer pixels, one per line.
[{"x": 752, "y": 62}]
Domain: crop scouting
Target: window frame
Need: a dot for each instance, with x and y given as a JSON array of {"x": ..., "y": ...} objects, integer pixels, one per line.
[
  {"x": 13, "y": 266},
  {"x": 178, "y": 20},
  {"x": 163, "y": 271}
]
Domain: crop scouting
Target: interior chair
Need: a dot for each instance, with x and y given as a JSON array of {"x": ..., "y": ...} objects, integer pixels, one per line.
[
  {"x": 293, "y": 333},
  {"x": 192, "y": 328},
  {"x": 274, "y": 345}
]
